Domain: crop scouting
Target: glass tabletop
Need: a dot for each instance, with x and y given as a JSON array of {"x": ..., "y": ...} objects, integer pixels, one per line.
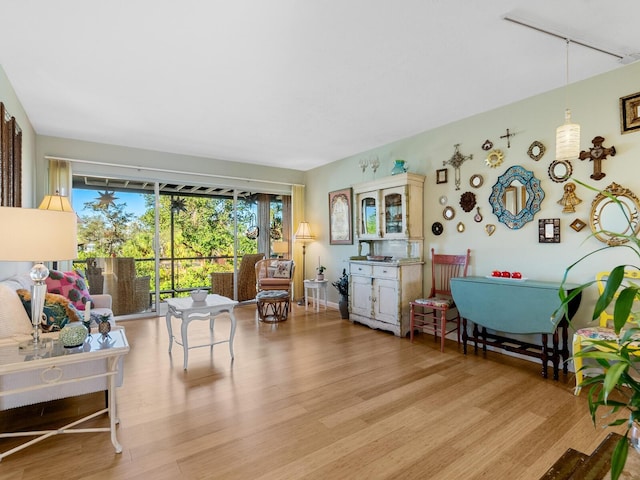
[{"x": 53, "y": 348}]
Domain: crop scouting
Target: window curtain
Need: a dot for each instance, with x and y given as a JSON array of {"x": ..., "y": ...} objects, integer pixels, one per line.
[
  {"x": 264, "y": 243},
  {"x": 297, "y": 211},
  {"x": 59, "y": 181}
]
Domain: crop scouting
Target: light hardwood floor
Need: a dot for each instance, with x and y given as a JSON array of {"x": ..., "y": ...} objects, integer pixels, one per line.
[{"x": 315, "y": 397}]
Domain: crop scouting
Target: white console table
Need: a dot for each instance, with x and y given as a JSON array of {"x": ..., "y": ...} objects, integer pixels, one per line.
[{"x": 48, "y": 362}]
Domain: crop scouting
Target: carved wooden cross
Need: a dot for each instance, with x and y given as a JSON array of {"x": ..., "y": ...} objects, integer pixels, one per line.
[
  {"x": 455, "y": 161},
  {"x": 508, "y": 137},
  {"x": 597, "y": 154}
]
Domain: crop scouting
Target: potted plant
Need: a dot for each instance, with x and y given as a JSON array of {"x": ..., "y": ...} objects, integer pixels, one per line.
[
  {"x": 617, "y": 388},
  {"x": 342, "y": 285},
  {"x": 320, "y": 272}
]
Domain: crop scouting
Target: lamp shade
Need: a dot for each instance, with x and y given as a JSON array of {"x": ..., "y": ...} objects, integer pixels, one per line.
[
  {"x": 304, "y": 232},
  {"x": 56, "y": 202},
  {"x": 37, "y": 235},
  {"x": 280, "y": 247},
  {"x": 568, "y": 139}
]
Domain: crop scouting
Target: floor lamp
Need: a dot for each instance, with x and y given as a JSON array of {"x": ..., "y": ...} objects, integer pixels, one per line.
[
  {"x": 303, "y": 234},
  {"x": 45, "y": 235}
]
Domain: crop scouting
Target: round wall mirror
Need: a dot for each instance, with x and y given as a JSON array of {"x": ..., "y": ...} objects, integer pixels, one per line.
[
  {"x": 448, "y": 213},
  {"x": 560, "y": 170},
  {"x": 476, "y": 181},
  {"x": 615, "y": 215},
  {"x": 516, "y": 197}
]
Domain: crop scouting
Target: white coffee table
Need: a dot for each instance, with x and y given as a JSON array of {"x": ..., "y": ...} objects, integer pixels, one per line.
[
  {"x": 48, "y": 362},
  {"x": 187, "y": 310},
  {"x": 317, "y": 288}
]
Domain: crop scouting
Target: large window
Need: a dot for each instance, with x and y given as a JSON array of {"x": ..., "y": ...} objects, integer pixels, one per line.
[{"x": 197, "y": 236}]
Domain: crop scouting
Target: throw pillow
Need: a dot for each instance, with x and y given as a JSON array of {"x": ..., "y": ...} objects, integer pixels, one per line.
[
  {"x": 58, "y": 310},
  {"x": 283, "y": 270},
  {"x": 13, "y": 319},
  {"x": 71, "y": 285}
]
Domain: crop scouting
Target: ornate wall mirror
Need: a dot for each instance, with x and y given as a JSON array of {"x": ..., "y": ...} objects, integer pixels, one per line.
[
  {"x": 610, "y": 218},
  {"x": 448, "y": 213},
  {"x": 560, "y": 170},
  {"x": 536, "y": 150},
  {"x": 516, "y": 197},
  {"x": 476, "y": 181}
]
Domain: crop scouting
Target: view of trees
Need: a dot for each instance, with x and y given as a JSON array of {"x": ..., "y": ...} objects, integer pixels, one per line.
[{"x": 197, "y": 232}]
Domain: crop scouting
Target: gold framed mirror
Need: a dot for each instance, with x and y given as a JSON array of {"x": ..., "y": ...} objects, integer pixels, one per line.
[
  {"x": 448, "y": 213},
  {"x": 615, "y": 215}
]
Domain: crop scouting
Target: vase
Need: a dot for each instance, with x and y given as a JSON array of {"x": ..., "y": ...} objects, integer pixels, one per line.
[
  {"x": 343, "y": 306},
  {"x": 320, "y": 277},
  {"x": 398, "y": 167}
]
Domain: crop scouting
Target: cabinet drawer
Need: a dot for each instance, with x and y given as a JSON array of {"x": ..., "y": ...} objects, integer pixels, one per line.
[
  {"x": 359, "y": 269},
  {"x": 385, "y": 271}
]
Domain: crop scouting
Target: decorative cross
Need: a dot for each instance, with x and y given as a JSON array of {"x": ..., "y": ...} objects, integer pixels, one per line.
[
  {"x": 597, "y": 154},
  {"x": 455, "y": 161},
  {"x": 508, "y": 137}
]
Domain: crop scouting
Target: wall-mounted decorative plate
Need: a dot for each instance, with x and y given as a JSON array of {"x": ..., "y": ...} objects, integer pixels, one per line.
[
  {"x": 437, "y": 228},
  {"x": 467, "y": 201},
  {"x": 477, "y": 217},
  {"x": 494, "y": 158},
  {"x": 487, "y": 145},
  {"x": 442, "y": 200},
  {"x": 536, "y": 150}
]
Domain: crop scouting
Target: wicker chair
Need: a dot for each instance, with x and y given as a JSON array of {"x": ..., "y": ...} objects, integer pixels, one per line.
[
  {"x": 275, "y": 274},
  {"x": 222, "y": 282}
]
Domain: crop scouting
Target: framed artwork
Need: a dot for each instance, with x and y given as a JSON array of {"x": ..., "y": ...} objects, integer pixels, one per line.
[
  {"x": 340, "y": 230},
  {"x": 630, "y": 113},
  {"x": 441, "y": 175},
  {"x": 10, "y": 160},
  {"x": 549, "y": 230}
]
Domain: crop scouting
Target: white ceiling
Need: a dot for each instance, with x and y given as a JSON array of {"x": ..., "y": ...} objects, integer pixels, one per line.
[{"x": 290, "y": 83}]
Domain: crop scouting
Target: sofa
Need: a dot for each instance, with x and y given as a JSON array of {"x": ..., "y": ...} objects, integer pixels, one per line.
[{"x": 16, "y": 327}]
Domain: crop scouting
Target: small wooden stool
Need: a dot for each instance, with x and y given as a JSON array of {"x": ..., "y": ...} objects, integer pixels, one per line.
[{"x": 273, "y": 305}]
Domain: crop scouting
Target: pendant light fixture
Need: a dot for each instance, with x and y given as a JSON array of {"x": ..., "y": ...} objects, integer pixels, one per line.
[{"x": 568, "y": 134}]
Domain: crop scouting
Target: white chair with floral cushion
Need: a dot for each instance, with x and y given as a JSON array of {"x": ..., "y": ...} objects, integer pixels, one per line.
[{"x": 604, "y": 332}]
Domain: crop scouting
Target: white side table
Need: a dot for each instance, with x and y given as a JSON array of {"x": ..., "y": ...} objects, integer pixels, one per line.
[
  {"x": 187, "y": 310},
  {"x": 317, "y": 287}
]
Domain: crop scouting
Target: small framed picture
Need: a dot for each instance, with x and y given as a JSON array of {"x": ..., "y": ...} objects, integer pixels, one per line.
[
  {"x": 549, "y": 230},
  {"x": 630, "y": 113},
  {"x": 578, "y": 224},
  {"x": 441, "y": 175}
]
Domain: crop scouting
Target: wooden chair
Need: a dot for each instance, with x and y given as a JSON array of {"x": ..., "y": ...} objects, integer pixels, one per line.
[
  {"x": 604, "y": 332},
  {"x": 432, "y": 314},
  {"x": 275, "y": 274}
]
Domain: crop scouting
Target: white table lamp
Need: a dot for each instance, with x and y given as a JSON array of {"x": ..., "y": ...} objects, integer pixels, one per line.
[{"x": 42, "y": 235}]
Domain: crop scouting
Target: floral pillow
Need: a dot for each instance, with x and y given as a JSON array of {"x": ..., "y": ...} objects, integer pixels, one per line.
[
  {"x": 71, "y": 285},
  {"x": 58, "y": 310},
  {"x": 282, "y": 270}
]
